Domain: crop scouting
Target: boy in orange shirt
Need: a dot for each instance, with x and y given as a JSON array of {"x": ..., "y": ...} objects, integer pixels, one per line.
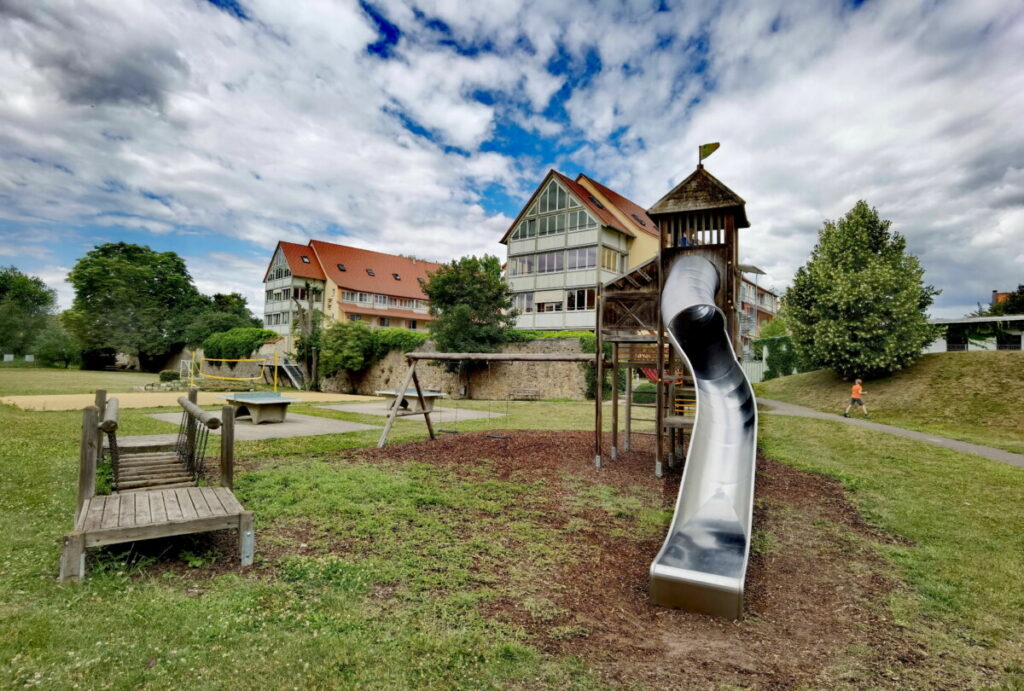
[{"x": 855, "y": 399}]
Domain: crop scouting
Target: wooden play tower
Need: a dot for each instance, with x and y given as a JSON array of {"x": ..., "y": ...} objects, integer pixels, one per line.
[{"x": 701, "y": 216}]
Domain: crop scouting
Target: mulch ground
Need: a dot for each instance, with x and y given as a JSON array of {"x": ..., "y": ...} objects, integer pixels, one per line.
[{"x": 814, "y": 614}]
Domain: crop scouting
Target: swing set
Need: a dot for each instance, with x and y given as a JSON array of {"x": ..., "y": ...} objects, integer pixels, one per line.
[{"x": 411, "y": 379}]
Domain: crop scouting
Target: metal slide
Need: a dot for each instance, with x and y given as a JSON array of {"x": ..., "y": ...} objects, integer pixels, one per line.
[{"x": 703, "y": 563}]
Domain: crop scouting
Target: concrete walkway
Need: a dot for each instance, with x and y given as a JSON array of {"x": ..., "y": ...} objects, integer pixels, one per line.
[{"x": 780, "y": 408}]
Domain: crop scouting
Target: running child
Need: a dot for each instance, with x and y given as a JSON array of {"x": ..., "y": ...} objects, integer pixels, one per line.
[{"x": 856, "y": 393}]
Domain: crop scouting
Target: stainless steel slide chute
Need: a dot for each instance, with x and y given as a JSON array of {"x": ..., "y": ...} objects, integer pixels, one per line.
[{"x": 703, "y": 563}]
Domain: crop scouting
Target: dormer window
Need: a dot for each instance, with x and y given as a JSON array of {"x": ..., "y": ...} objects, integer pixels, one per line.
[
  {"x": 305, "y": 259},
  {"x": 639, "y": 220},
  {"x": 341, "y": 267},
  {"x": 593, "y": 199},
  {"x": 369, "y": 272},
  {"x": 396, "y": 277},
  {"x": 420, "y": 280}
]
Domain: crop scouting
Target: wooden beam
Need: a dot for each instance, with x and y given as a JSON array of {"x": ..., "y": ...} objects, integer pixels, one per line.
[
  {"x": 508, "y": 357},
  {"x": 393, "y": 413},
  {"x": 227, "y": 446},
  {"x": 423, "y": 404},
  {"x": 87, "y": 459},
  {"x": 599, "y": 383},
  {"x": 208, "y": 419}
]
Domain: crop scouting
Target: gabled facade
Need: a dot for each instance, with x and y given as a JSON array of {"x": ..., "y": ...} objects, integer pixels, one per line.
[
  {"x": 345, "y": 283},
  {"x": 570, "y": 236}
]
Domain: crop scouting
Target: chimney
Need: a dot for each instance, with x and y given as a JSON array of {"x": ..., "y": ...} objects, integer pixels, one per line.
[{"x": 994, "y": 294}]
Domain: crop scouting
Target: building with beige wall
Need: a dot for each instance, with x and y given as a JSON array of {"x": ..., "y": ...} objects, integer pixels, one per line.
[
  {"x": 346, "y": 284},
  {"x": 571, "y": 236}
]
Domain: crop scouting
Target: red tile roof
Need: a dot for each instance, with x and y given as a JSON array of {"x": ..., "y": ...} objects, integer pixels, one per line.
[
  {"x": 604, "y": 216},
  {"x": 629, "y": 208},
  {"x": 294, "y": 253},
  {"x": 357, "y": 261}
]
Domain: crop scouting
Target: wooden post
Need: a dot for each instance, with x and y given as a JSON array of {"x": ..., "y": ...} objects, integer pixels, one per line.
[
  {"x": 599, "y": 381},
  {"x": 190, "y": 425},
  {"x": 615, "y": 400},
  {"x": 227, "y": 446},
  {"x": 246, "y": 538},
  {"x": 393, "y": 413},
  {"x": 72, "y": 560},
  {"x": 423, "y": 404},
  {"x": 101, "y": 406},
  {"x": 628, "y": 443},
  {"x": 87, "y": 459},
  {"x": 659, "y": 396}
]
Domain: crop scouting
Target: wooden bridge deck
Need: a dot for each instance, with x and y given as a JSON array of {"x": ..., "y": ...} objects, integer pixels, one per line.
[{"x": 126, "y": 517}]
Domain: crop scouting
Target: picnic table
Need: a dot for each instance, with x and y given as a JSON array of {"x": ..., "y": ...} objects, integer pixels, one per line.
[
  {"x": 264, "y": 406},
  {"x": 403, "y": 402}
]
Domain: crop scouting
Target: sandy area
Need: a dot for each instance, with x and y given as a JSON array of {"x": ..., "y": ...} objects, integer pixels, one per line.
[{"x": 157, "y": 399}]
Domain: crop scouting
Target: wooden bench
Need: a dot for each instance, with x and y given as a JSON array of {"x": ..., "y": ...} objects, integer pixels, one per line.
[
  {"x": 524, "y": 393},
  {"x": 147, "y": 513}
]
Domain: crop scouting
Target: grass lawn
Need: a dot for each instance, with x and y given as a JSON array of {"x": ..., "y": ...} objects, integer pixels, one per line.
[
  {"x": 29, "y": 381},
  {"x": 383, "y": 574},
  {"x": 974, "y": 396}
]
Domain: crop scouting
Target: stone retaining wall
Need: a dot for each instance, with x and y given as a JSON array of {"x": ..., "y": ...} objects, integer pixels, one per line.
[{"x": 494, "y": 380}]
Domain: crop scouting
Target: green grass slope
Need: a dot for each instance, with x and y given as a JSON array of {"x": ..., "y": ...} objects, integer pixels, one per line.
[{"x": 973, "y": 396}]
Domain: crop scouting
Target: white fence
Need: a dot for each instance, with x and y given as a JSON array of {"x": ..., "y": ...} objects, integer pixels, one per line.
[{"x": 754, "y": 369}]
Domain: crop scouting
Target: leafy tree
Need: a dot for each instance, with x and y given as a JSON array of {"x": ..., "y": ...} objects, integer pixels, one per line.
[
  {"x": 346, "y": 346},
  {"x": 858, "y": 306},
  {"x": 1013, "y": 304},
  {"x": 56, "y": 346},
  {"x": 471, "y": 304},
  {"x": 25, "y": 304},
  {"x": 236, "y": 343},
  {"x": 133, "y": 300},
  {"x": 217, "y": 314}
]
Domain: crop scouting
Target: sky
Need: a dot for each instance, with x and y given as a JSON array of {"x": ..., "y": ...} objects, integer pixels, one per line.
[{"x": 216, "y": 128}]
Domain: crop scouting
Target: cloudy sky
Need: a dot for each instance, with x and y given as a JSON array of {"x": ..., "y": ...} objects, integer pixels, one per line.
[{"x": 216, "y": 128}]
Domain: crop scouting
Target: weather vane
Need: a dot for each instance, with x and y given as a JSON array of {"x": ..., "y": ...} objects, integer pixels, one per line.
[{"x": 705, "y": 150}]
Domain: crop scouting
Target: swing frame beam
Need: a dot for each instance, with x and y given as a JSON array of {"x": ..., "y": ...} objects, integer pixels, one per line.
[{"x": 410, "y": 378}]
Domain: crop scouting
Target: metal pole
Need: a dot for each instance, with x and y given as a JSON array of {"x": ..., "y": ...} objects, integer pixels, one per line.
[{"x": 275, "y": 371}]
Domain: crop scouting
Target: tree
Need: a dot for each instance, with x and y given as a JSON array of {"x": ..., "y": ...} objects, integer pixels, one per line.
[
  {"x": 56, "y": 346},
  {"x": 133, "y": 300},
  {"x": 25, "y": 304},
  {"x": 1013, "y": 304},
  {"x": 218, "y": 314},
  {"x": 858, "y": 306},
  {"x": 471, "y": 304}
]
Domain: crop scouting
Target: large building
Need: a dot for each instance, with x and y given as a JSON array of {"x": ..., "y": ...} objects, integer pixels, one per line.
[
  {"x": 345, "y": 283},
  {"x": 570, "y": 236},
  {"x": 758, "y": 306}
]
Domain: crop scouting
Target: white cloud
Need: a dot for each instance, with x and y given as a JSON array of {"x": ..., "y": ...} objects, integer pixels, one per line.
[{"x": 173, "y": 116}]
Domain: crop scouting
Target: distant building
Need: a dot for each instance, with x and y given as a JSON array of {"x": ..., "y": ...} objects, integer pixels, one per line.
[
  {"x": 758, "y": 306},
  {"x": 346, "y": 284},
  {"x": 570, "y": 236},
  {"x": 1004, "y": 332}
]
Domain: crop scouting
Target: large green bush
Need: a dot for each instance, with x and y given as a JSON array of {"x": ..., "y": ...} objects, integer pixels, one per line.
[
  {"x": 236, "y": 343},
  {"x": 386, "y": 340},
  {"x": 353, "y": 346}
]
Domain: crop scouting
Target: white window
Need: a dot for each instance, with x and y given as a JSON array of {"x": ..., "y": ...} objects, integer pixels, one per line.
[
  {"x": 355, "y": 317},
  {"x": 553, "y": 198},
  {"x": 380, "y": 299},
  {"x": 384, "y": 321},
  {"x": 526, "y": 229},
  {"x": 348, "y": 296},
  {"x": 581, "y": 220},
  {"x": 611, "y": 260},
  {"x": 549, "y": 306},
  {"x": 364, "y": 297},
  {"x": 550, "y": 262},
  {"x": 519, "y": 266},
  {"x": 413, "y": 324},
  {"x": 523, "y": 302},
  {"x": 578, "y": 300},
  {"x": 581, "y": 258}
]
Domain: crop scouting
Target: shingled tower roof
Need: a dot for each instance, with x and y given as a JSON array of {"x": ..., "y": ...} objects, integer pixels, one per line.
[{"x": 701, "y": 191}]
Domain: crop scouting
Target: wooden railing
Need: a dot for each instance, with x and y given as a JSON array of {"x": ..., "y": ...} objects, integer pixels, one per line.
[{"x": 193, "y": 433}]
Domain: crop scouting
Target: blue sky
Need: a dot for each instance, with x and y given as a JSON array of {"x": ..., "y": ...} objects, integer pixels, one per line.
[{"x": 215, "y": 129}]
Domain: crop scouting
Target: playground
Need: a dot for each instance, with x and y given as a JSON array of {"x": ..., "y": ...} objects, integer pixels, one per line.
[{"x": 496, "y": 560}]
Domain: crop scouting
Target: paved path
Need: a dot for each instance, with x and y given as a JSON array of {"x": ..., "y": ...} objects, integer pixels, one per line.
[
  {"x": 159, "y": 399},
  {"x": 780, "y": 408},
  {"x": 295, "y": 425}
]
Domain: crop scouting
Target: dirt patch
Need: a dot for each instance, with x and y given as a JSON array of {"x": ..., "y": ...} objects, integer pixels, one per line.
[{"x": 815, "y": 612}]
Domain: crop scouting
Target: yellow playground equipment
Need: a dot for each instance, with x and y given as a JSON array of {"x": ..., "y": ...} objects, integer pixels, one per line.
[{"x": 195, "y": 370}]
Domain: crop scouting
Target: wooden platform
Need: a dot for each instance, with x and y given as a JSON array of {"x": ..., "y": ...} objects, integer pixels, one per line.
[{"x": 113, "y": 518}]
